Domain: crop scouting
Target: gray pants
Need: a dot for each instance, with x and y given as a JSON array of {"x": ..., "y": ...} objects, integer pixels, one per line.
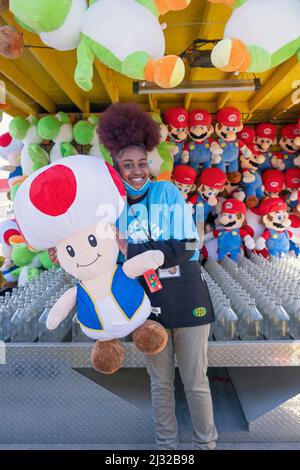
[{"x": 190, "y": 346}]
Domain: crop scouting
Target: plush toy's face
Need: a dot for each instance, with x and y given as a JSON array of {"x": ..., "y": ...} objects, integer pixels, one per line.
[
  {"x": 89, "y": 253},
  {"x": 278, "y": 221},
  {"x": 252, "y": 163},
  {"x": 227, "y": 133},
  {"x": 263, "y": 144},
  {"x": 231, "y": 221},
  {"x": 200, "y": 133},
  {"x": 177, "y": 134},
  {"x": 206, "y": 192},
  {"x": 185, "y": 189},
  {"x": 288, "y": 145},
  {"x": 133, "y": 166}
]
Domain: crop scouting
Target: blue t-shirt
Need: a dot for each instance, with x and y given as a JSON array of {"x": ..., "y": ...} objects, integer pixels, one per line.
[{"x": 160, "y": 216}]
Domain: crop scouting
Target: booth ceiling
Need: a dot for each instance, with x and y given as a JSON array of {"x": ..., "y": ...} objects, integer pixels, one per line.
[{"x": 41, "y": 81}]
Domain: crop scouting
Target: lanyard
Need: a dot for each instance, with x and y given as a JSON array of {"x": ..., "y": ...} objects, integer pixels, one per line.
[{"x": 148, "y": 234}]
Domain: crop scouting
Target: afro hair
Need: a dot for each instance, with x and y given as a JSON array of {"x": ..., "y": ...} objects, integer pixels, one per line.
[{"x": 126, "y": 124}]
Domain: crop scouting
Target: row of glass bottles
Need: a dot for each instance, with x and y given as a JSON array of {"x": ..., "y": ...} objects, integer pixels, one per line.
[{"x": 250, "y": 320}]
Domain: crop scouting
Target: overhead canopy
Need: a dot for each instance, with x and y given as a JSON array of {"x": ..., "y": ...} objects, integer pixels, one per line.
[{"x": 41, "y": 81}]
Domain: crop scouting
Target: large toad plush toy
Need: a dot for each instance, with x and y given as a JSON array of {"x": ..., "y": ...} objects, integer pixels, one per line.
[{"x": 72, "y": 205}]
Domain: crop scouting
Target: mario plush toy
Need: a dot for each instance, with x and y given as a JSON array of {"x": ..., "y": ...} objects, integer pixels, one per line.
[
  {"x": 184, "y": 177},
  {"x": 292, "y": 182},
  {"x": 295, "y": 229},
  {"x": 231, "y": 235},
  {"x": 228, "y": 125},
  {"x": 212, "y": 181},
  {"x": 273, "y": 182},
  {"x": 252, "y": 182},
  {"x": 200, "y": 151},
  {"x": 177, "y": 120},
  {"x": 247, "y": 135},
  {"x": 264, "y": 140},
  {"x": 276, "y": 238},
  {"x": 290, "y": 150}
]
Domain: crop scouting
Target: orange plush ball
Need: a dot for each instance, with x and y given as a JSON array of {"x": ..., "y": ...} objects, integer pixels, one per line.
[{"x": 11, "y": 42}]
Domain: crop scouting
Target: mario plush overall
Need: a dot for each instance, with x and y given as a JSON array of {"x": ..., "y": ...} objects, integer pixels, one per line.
[
  {"x": 231, "y": 236},
  {"x": 265, "y": 139},
  {"x": 273, "y": 182},
  {"x": 212, "y": 181},
  {"x": 184, "y": 177},
  {"x": 200, "y": 131},
  {"x": 252, "y": 181},
  {"x": 177, "y": 120},
  {"x": 290, "y": 150},
  {"x": 276, "y": 238},
  {"x": 228, "y": 125}
]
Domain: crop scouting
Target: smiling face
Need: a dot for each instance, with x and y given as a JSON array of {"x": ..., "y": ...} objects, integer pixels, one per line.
[
  {"x": 177, "y": 134},
  {"x": 227, "y": 133},
  {"x": 88, "y": 253},
  {"x": 252, "y": 163},
  {"x": 200, "y": 133},
  {"x": 206, "y": 192},
  {"x": 278, "y": 221},
  {"x": 263, "y": 144},
  {"x": 133, "y": 166},
  {"x": 185, "y": 189},
  {"x": 289, "y": 145},
  {"x": 231, "y": 221}
]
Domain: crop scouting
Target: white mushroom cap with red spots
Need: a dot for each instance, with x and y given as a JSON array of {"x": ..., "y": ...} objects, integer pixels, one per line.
[{"x": 66, "y": 197}]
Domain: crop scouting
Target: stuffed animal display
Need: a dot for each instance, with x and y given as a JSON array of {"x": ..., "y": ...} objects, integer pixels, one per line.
[
  {"x": 56, "y": 208},
  {"x": 125, "y": 35},
  {"x": 59, "y": 130},
  {"x": 259, "y": 35},
  {"x": 160, "y": 160},
  {"x": 85, "y": 133}
]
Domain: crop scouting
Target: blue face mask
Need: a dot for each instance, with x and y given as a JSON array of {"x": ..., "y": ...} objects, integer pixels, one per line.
[{"x": 132, "y": 192}]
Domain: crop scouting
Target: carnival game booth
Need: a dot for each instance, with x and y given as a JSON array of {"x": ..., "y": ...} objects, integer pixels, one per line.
[{"x": 221, "y": 79}]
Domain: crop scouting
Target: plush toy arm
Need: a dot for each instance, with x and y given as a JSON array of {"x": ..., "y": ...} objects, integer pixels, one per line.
[
  {"x": 185, "y": 157},
  {"x": 294, "y": 196},
  {"x": 208, "y": 236},
  {"x": 246, "y": 152},
  {"x": 38, "y": 156},
  {"x": 67, "y": 149},
  {"x": 277, "y": 163},
  {"x": 61, "y": 308},
  {"x": 239, "y": 194},
  {"x": 139, "y": 264},
  {"x": 260, "y": 244},
  {"x": 248, "y": 177},
  {"x": 216, "y": 152},
  {"x": 249, "y": 242}
]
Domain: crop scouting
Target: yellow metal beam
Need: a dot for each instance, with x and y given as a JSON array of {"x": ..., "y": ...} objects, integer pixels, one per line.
[
  {"x": 283, "y": 72},
  {"x": 153, "y": 105},
  {"x": 106, "y": 76},
  {"x": 204, "y": 31},
  {"x": 287, "y": 103},
  {"x": 15, "y": 75},
  {"x": 46, "y": 57},
  {"x": 18, "y": 99}
]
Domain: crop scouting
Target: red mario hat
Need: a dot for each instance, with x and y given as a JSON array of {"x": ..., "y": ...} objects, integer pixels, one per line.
[
  {"x": 213, "y": 177},
  {"x": 177, "y": 117},
  {"x": 266, "y": 130},
  {"x": 291, "y": 131},
  {"x": 272, "y": 205},
  {"x": 5, "y": 139},
  {"x": 292, "y": 176},
  {"x": 273, "y": 181},
  {"x": 247, "y": 135},
  {"x": 230, "y": 117},
  {"x": 184, "y": 174},
  {"x": 200, "y": 117},
  {"x": 233, "y": 206},
  {"x": 295, "y": 221}
]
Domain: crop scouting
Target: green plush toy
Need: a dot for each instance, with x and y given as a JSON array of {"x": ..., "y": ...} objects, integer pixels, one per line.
[
  {"x": 59, "y": 129},
  {"x": 125, "y": 35},
  {"x": 32, "y": 155},
  {"x": 160, "y": 160},
  {"x": 85, "y": 133}
]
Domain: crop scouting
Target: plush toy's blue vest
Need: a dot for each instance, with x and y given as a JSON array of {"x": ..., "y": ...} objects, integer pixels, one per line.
[
  {"x": 127, "y": 295},
  {"x": 278, "y": 243}
]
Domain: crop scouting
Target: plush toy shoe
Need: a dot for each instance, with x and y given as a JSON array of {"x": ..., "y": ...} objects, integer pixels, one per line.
[
  {"x": 150, "y": 338},
  {"x": 107, "y": 356},
  {"x": 166, "y": 72}
]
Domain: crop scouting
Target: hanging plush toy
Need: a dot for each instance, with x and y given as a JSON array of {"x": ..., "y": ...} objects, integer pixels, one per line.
[
  {"x": 276, "y": 238},
  {"x": 59, "y": 130},
  {"x": 252, "y": 181},
  {"x": 273, "y": 182},
  {"x": 184, "y": 178},
  {"x": 290, "y": 150},
  {"x": 231, "y": 235},
  {"x": 73, "y": 205},
  {"x": 177, "y": 120},
  {"x": 32, "y": 156},
  {"x": 265, "y": 139},
  {"x": 85, "y": 133},
  {"x": 161, "y": 160},
  {"x": 125, "y": 35},
  {"x": 228, "y": 125},
  {"x": 259, "y": 35},
  {"x": 200, "y": 147}
]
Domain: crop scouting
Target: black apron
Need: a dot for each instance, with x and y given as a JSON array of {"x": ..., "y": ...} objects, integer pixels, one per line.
[{"x": 184, "y": 301}]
